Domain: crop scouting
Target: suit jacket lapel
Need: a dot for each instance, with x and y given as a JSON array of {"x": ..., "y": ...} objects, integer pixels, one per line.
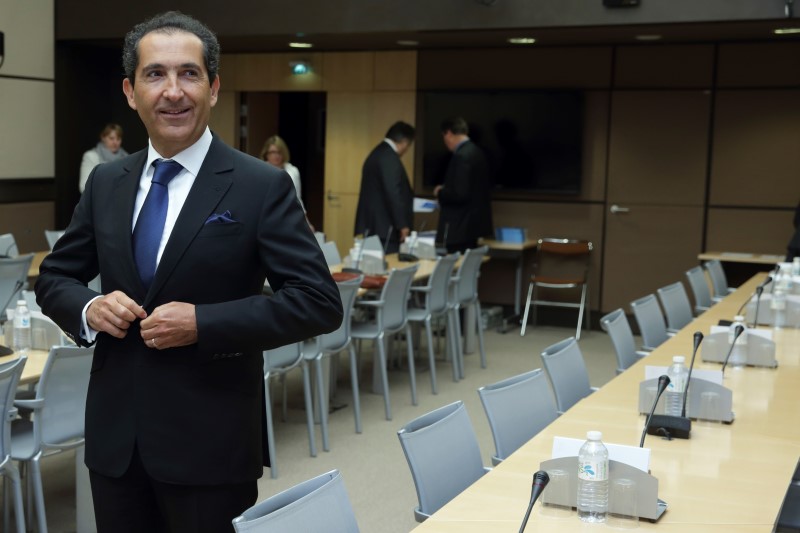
[
  {"x": 125, "y": 190},
  {"x": 211, "y": 184}
]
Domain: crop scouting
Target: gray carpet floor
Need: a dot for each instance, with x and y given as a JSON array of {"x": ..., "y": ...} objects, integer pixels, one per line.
[{"x": 373, "y": 466}]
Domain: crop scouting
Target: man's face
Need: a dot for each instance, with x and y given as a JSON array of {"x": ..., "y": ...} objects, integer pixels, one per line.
[
  {"x": 172, "y": 94},
  {"x": 450, "y": 140},
  {"x": 402, "y": 146}
]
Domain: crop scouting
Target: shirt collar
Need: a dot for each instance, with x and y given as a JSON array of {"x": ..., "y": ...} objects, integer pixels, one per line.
[
  {"x": 459, "y": 145},
  {"x": 391, "y": 143},
  {"x": 191, "y": 158}
]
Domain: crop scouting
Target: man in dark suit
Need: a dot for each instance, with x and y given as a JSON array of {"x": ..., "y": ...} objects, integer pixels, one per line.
[
  {"x": 386, "y": 201},
  {"x": 174, "y": 410},
  {"x": 793, "y": 249},
  {"x": 465, "y": 198}
]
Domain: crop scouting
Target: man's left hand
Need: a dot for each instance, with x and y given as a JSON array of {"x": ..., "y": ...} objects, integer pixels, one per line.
[{"x": 169, "y": 326}]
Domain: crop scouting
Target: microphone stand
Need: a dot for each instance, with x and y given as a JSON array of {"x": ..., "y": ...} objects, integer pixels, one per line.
[
  {"x": 759, "y": 290},
  {"x": 698, "y": 338},
  {"x": 663, "y": 381},
  {"x": 540, "y": 481},
  {"x": 738, "y": 331}
]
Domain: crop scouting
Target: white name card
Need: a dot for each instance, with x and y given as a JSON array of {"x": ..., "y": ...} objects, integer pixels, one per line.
[
  {"x": 766, "y": 333},
  {"x": 630, "y": 455},
  {"x": 714, "y": 376}
]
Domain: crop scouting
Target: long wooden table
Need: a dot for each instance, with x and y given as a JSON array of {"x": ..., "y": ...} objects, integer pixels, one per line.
[{"x": 725, "y": 478}]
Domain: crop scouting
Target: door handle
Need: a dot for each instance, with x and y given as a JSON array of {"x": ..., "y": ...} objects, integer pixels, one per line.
[
  {"x": 332, "y": 197},
  {"x": 617, "y": 209}
]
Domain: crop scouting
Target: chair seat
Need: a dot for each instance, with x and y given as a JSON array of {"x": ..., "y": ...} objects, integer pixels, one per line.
[{"x": 417, "y": 314}]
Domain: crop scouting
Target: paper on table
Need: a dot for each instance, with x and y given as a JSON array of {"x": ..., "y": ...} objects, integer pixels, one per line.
[
  {"x": 630, "y": 455},
  {"x": 654, "y": 372},
  {"x": 424, "y": 205}
]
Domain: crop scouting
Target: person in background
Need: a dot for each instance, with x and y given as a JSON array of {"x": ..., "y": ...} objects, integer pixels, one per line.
[
  {"x": 793, "y": 249},
  {"x": 184, "y": 234},
  {"x": 276, "y": 153},
  {"x": 465, "y": 198},
  {"x": 386, "y": 201},
  {"x": 108, "y": 149}
]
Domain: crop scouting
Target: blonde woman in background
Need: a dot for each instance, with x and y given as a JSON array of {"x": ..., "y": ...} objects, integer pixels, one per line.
[
  {"x": 108, "y": 149},
  {"x": 276, "y": 153}
]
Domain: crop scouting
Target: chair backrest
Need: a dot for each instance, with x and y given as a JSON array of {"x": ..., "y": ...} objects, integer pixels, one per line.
[
  {"x": 9, "y": 379},
  {"x": 30, "y": 299},
  {"x": 437, "y": 298},
  {"x": 719, "y": 282},
  {"x": 8, "y": 245},
  {"x": 517, "y": 408},
  {"x": 63, "y": 387},
  {"x": 443, "y": 454},
  {"x": 283, "y": 358},
  {"x": 52, "y": 236},
  {"x": 13, "y": 275},
  {"x": 393, "y": 314},
  {"x": 320, "y": 236},
  {"x": 465, "y": 289},
  {"x": 331, "y": 253},
  {"x": 319, "y": 504},
  {"x": 676, "y": 305},
  {"x": 338, "y": 340},
  {"x": 45, "y": 333},
  {"x": 700, "y": 290},
  {"x": 566, "y": 259},
  {"x": 567, "y": 373},
  {"x": 616, "y": 325},
  {"x": 650, "y": 320}
]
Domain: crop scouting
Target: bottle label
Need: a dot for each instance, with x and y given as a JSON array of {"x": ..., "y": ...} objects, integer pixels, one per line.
[
  {"x": 593, "y": 471},
  {"x": 676, "y": 384},
  {"x": 25, "y": 322}
]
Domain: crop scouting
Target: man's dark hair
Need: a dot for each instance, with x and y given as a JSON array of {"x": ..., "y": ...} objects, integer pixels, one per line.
[
  {"x": 169, "y": 23},
  {"x": 400, "y": 131},
  {"x": 455, "y": 125}
]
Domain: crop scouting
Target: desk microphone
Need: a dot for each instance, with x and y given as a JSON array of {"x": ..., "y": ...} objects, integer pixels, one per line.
[
  {"x": 5, "y": 350},
  {"x": 663, "y": 381},
  {"x": 698, "y": 338},
  {"x": 540, "y": 481},
  {"x": 357, "y": 264},
  {"x": 736, "y": 332},
  {"x": 443, "y": 249},
  {"x": 757, "y": 293}
]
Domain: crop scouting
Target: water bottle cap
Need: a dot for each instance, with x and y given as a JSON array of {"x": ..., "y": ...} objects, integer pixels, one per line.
[
  {"x": 594, "y": 435},
  {"x": 22, "y": 302},
  {"x": 738, "y": 318},
  {"x": 680, "y": 359}
]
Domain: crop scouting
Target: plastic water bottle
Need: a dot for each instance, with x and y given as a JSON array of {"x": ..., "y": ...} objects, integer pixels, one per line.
[
  {"x": 593, "y": 479},
  {"x": 738, "y": 357},
  {"x": 778, "y": 306},
  {"x": 22, "y": 328},
  {"x": 796, "y": 267},
  {"x": 678, "y": 373}
]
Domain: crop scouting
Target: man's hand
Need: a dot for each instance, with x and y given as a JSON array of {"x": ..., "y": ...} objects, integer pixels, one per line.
[
  {"x": 437, "y": 189},
  {"x": 404, "y": 234},
  {"x": 170, "y": 325},
  {"x": 113, "y": 314}
]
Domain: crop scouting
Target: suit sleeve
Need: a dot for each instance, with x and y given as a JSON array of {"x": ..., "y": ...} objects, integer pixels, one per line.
[
  {"x": 456, "y": 190},
  {"x": 394, "y": 183}
]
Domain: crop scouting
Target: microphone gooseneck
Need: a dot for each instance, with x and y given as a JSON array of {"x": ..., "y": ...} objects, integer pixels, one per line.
[
  {"x": 698, "y": 338},
  {"x": 738, "y": 331},
  {"x": 540, "y": 481},
  {"x": 759, "y": 290},
  {"x": 663, "y": 381}
]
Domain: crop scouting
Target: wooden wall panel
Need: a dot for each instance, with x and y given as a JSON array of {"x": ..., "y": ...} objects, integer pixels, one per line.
[
  {"x": 269, "y": 72},
  {"x": 224, "y": 118},
  {"x": 595, "y": 146},
  {"x": 396, "y": 71},
  {"x": 758, "y": 231},
  {"x": 27, "y": 128},
  {"x": 756, "y": 152},
  {"x": 388, "y": 108},
  {"x": 659, "y": 147},
  {"x": 27, "y": 221},
  {"x": 759, "y": 65},
  {"x": 348, "y": 139},
  {"x": 680, "y": 66},
  {"x": 572, "y": 67},
  {"x": 348, "y": 71},
  {"x": 29, "y": 39}
]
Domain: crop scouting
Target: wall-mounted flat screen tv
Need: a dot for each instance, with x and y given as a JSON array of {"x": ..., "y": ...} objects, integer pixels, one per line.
[{"x": 532, "y": 139}]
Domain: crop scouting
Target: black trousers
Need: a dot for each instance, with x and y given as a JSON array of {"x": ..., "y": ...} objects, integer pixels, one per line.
[{"x": 136, "y": 503}]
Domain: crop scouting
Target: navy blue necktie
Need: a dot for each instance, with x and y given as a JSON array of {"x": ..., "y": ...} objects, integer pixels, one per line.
[{"x": 150, "y": 224}]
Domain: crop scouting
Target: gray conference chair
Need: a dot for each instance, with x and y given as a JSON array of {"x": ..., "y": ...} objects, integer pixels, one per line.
[
  {"x": 464, "y": 295},
  {"x": 675, "y": 303},
  {"x": 435, "y": 304},
  {"x": 9, "y": 379},
  {"x": 331, "y": 344},
  {"x": 317, "y": 505},
  {"x": 567, "y": 373},
  {"x": 651, "y": 322},
  {"x": 517, "y": 408},
  {"x": 560, "y": 264},
  {"x": 320, "y": 236},
  {"x": 616, "y": 325},
  {"x": 13, "y": 278},
  {"x": 277, "y": 363},
  {"x": 719, "y": 281},
  {"x": 57, "y": 424},
  {"x": 443, "y": 454},
  {"x": 391, "y": 316},
  {"x": 52, "y": 236},
  {"x": 8, "y": 246},
  {"x": 331, "y": 253},
  {"x": 700, "y": 291}
]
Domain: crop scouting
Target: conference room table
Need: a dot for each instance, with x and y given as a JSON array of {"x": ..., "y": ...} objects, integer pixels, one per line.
[{"x": 726, "y": 477}]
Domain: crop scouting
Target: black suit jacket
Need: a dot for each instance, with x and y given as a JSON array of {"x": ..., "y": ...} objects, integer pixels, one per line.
[
  {"x": 465, "y": 201},
  {"x": 386, "y": 199},
  {"x": 794, "y": 243},
  {"x": 194, "y": 412}
]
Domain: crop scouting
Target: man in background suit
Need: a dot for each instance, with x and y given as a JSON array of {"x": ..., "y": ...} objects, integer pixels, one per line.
[
  {"x": 793, "y": 249},
  {"x": 465, "y": 198},
  {"x": 386, "y": 201},
  {"x": 174, "y": 411}
]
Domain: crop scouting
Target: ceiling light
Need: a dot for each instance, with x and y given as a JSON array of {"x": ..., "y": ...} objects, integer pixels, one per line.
[
  {"x": 649, "y": 37},
  {"x": 521, "y": 40},
  {"x": 785, "y": 31},
  {"x": 407, "y": 43},
  {"x": 300, "y": 45},
  {"x": 300, "y": 67}
]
